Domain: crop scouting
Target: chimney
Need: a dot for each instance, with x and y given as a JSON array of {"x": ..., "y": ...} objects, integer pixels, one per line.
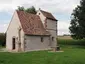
[{"x": 39, "y": 8}]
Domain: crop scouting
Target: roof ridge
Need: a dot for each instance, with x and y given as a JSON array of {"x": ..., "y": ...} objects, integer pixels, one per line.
[
  {"x": 48, "y": 15},
  {"x": 26, "y": 12},
  {"x": 45, "y": 11}
]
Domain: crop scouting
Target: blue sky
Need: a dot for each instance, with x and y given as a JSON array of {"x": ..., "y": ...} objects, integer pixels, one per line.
[
  {"x": 61, "y": 9},
  {"x": 4, "y": 17}
]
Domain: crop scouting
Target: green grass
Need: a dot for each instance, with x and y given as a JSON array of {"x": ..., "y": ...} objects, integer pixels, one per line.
[
  {"x": 1, "y": 47},
  {"x": 74, "y": 53},
  {"x": 71, "y": 55}
]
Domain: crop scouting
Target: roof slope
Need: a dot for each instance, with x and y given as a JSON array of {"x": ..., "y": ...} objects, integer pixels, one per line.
[
  {"x": 48, "y": 15},
  {"x": 31, "y": 24}
]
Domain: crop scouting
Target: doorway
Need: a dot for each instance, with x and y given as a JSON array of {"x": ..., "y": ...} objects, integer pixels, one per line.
[{"x": 13, "y": 43}]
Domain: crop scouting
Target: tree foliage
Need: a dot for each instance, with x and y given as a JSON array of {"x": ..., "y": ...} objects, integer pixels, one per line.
[
  {"x": 28, "y": 10},
  {"x": 2, "y": 39},
  {"x": 77, "y": 28},
  {"x": 20, "y": 8}
]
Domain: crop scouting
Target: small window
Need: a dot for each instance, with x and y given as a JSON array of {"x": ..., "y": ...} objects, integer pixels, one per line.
[
  {"x": 52, "y": 38},
  {"x": 39, "y": 13},
  {"x": 41, "y": 39}
]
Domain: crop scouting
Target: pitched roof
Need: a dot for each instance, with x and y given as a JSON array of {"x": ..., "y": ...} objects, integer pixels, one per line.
[
  {"x": 31, "y": 24},
  {"x": 48, "y": 15}
]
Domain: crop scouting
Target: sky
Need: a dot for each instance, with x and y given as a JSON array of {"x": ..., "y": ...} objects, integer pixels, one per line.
[{"x": 61, "y": 9}]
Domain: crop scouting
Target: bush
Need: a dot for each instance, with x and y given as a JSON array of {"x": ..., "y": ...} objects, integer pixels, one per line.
[{"x": 2, "y": 39}]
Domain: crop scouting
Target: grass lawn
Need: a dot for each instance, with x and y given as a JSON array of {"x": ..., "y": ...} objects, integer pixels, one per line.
[
  {"x": 1, "y": 47},
  {"x": 71, "y": 55}
]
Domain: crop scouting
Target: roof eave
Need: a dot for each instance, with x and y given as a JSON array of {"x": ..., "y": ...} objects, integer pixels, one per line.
[
  {"x": 52, "y": 19},
  {"x": 36, "y": 35}
]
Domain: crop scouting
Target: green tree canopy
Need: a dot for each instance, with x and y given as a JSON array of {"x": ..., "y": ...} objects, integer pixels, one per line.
[
  {"x": 77, "y": 28},
  {"x": 20, "y": 8},
  {"x": 28, "y": 10}
]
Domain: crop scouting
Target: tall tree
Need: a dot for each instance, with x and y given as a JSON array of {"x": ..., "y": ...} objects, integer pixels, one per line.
[
  {"x": 77, "y": 28},
  {"x": 28, "y": 10}
]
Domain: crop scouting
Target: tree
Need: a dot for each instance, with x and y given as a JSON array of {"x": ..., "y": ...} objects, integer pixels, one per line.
[
  {"x": 20, "y": 8},
  {"x": 31, "y": 10},
  {"x": 77, "y": 28},
  {"x": 28, "y": 10},
  {"x": 2, "y": 39}
]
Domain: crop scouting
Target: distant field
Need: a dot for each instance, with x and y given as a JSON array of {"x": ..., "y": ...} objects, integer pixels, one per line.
[
  {"x": 67, "y": 40},
  {"x": 64, "y": 37}
]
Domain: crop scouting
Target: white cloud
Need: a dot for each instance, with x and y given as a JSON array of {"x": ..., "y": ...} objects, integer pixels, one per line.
[
  {"x": 63, "y": 27},
  {"x": 57, "y": 6},
  {"x": 3, "y": 27}
]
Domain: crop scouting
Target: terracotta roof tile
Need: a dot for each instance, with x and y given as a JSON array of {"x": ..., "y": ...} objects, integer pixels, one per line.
[
  {"x": 31, "y": 24},
  {"x": 48, "y": 15}
]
